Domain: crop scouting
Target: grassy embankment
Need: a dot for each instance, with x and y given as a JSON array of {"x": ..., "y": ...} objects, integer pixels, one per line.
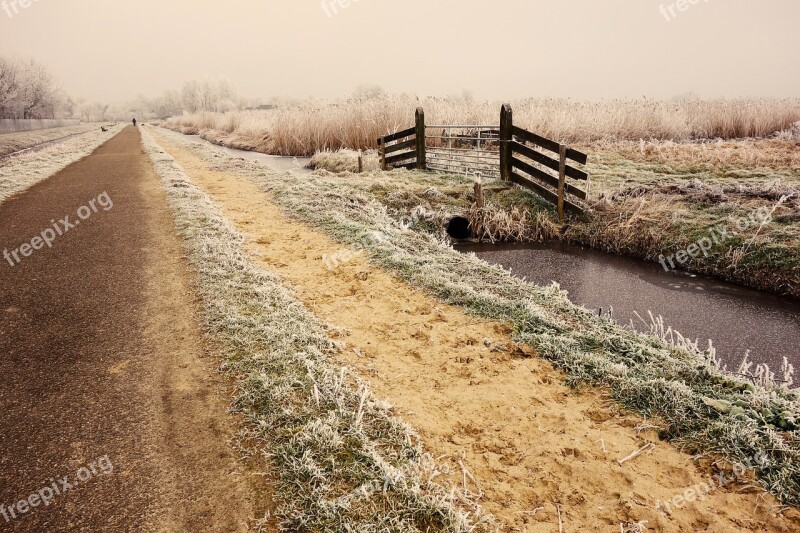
[
  {"x": 700, "y": 407},
  {"x": 14, "y": 142},
  {"x": 651, "y": 199},
  {"x": 341, "y": 459},
  {"x": 20, "y": 172}
]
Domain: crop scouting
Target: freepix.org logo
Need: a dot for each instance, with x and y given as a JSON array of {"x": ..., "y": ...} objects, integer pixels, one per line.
[
  {"x": 13, "y": 7},
  {"x": 49, "y": 235},
  {"x": 332, "y": 7},
  {"x": 670, "y": 12},
  {"x": 101, "y": 466}
]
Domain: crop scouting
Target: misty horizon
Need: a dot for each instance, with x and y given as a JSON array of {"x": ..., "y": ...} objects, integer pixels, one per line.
[{"x": 115, "y": 51}]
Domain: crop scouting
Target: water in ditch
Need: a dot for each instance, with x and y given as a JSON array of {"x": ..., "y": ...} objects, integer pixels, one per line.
[
  {"x": 735, "y": 318},
  {"x": 275, "y": 162}
]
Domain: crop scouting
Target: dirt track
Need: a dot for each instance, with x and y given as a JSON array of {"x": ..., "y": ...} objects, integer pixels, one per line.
[
  {"x": 100, "y": 355},
  {"x": 540, "y": 452}
]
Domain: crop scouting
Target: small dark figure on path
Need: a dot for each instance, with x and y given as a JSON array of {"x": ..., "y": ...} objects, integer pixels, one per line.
[{"x": 134, "y": 122}]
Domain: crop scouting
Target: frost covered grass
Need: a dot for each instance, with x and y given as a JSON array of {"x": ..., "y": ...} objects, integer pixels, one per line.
[
  {"x": 650, "y": 200},
  {"x": 345, "y": 161},
  {"x": 306, "y": 127},
  {"x": 14, "y": 142},
  {"x": 730, "y": 155},
  {"x": 700, "y": 406},
  {"x": 18, "y": 173},
  {"x": 342, "y": 461}
]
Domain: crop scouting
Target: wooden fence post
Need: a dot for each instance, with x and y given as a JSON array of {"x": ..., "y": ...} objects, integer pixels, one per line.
[
  {"x": 383, "y": 154},
  {"x": 480, "y": 199},
  {"x": 506, "y": 124},
  {"x": 420, "y": 121},
  {"x": 562, "y": 180}
]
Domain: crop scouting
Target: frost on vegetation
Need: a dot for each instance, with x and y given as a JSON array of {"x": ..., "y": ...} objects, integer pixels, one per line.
[
  {"x": 343, "y": 461},
  {"x": 345, "y": 160},
  {"x": 648, "y": 374},
  {"x": 21, "y": 172}
]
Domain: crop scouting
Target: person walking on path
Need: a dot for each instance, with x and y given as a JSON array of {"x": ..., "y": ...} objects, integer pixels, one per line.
[{"x": 134, "y": 122}]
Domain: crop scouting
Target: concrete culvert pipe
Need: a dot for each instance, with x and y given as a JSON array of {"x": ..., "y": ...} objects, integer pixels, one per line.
[{"x": 458, "y": 228}]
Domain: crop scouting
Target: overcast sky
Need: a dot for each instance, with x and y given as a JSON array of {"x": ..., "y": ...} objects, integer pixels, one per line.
[{"x": 112, "y": 50}]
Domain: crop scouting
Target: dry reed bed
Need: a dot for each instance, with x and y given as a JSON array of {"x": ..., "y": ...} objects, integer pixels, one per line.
[
  {"x": 718, "y": 156},
  {"x": 700, "y": 407},
  {"x": 307, "y": 127},
  {"x": 343, "y": 462},
  {"x": 345, "y": 160}
]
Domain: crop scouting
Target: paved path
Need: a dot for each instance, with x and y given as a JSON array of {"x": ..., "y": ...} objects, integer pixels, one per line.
[{"x": 101, "y": 361}]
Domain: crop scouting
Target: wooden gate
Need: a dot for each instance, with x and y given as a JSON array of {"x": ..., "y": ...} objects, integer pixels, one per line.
[{"x": 506, "y": 152}]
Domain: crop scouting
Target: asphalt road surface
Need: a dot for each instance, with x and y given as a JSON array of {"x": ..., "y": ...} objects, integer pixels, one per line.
[{"x": 112, "y": 416}]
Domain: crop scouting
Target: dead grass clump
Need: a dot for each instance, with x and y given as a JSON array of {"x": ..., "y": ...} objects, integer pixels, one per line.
[
  {"x": 345, "y": 160},
  {"x": 718, "y": 193},
  {"x": 493, "y": 224},
  {"x": 718, "y": 155}
]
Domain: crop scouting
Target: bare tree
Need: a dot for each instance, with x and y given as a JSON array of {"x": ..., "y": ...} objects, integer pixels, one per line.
[
  {"x": 37, "y": 89},
  {"x": 28, "y": 90},
  {"x": 191, "y": 96},
  {"x": 208, "y": 95},
  {"x": 9, "y": 86},
  {"x": 366, "y": 91},
  {"x": 85, "y": 110}
]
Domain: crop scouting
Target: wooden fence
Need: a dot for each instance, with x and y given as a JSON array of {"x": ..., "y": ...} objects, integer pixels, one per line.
[
  {"x": 523, "y": 161},
  {"x": 541, "y": 165},
  {"x": 405, "y": 149}
]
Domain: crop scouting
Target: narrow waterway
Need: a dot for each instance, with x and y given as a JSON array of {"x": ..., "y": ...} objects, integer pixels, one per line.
[
  {"x": 735, "y": 318},
  {"x": 275, "y": 162}
]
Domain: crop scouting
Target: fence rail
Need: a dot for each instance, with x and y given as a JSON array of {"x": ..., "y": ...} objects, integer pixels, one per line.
[
  {"x": 506, "y": 152},
  {"x": 407, "y": 142},
  {"x": 463, "y": 149}
]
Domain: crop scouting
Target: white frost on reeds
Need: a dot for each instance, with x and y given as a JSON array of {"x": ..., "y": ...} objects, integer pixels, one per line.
[{"x": 309, "y": 126}]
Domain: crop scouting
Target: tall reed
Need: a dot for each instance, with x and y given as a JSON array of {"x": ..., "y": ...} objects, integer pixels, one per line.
[{"x": 306, "y": 127}]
